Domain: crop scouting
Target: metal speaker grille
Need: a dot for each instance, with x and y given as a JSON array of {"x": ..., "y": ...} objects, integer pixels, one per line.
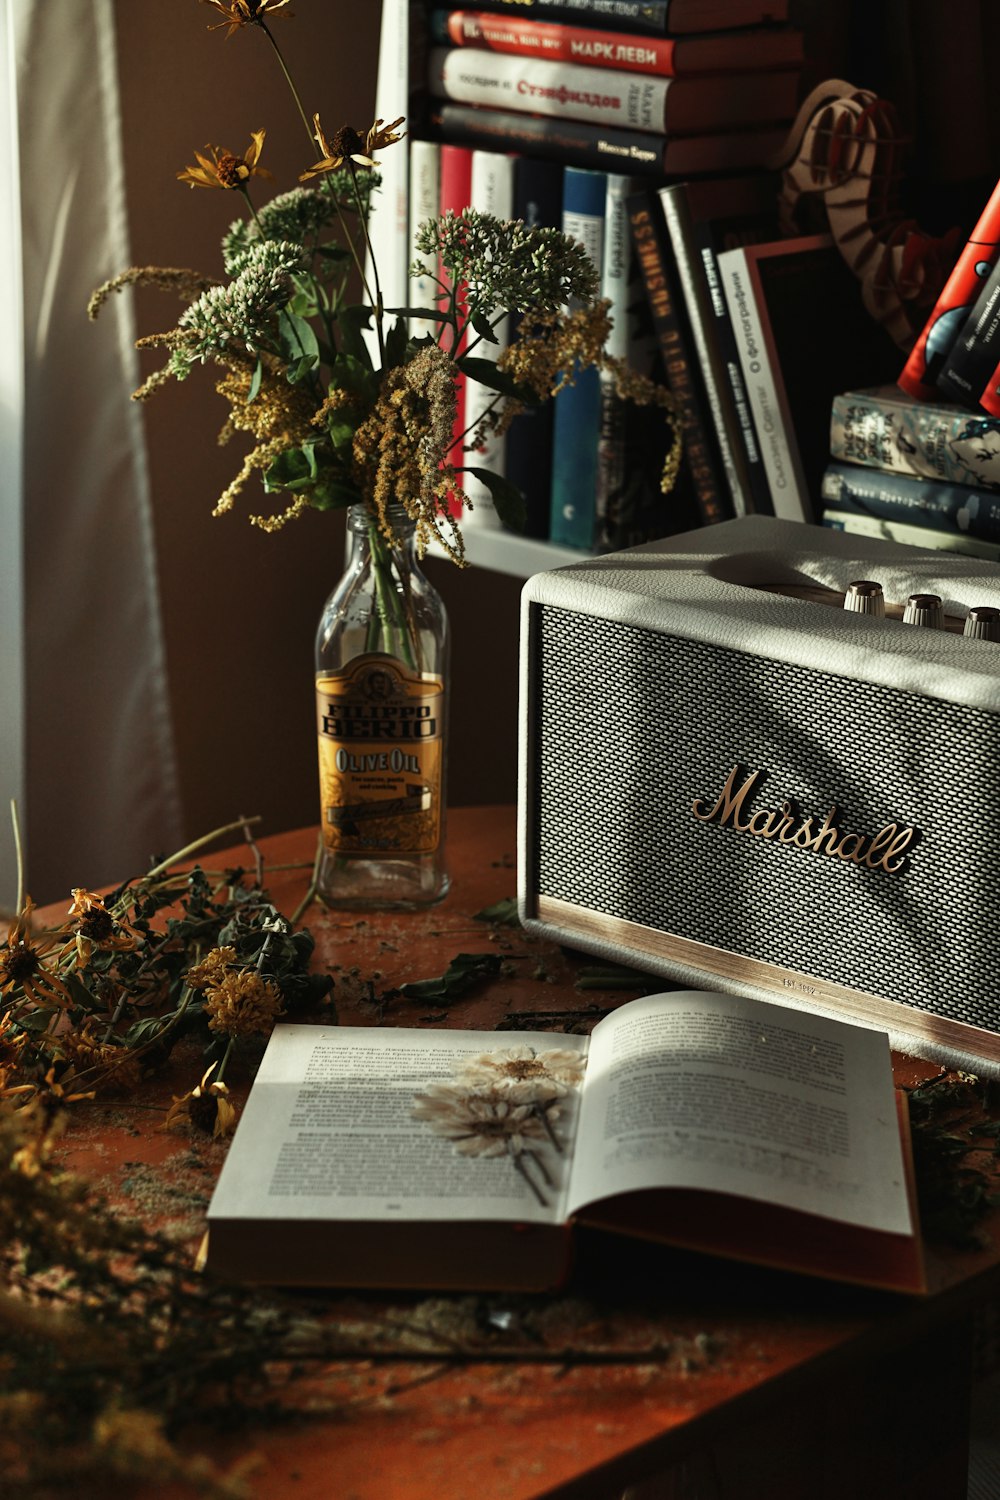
[{"x": 631, "y": 726}]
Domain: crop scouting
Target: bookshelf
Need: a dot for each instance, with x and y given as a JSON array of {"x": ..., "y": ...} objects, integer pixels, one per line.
[{"x": 397, "y": 87}]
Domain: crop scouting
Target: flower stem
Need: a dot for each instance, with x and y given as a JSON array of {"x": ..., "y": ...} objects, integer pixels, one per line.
[{"x": 288, "y": 79}]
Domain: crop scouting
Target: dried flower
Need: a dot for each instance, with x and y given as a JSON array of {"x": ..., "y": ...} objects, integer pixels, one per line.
[
  {"x": 243, "y": 1004},
  {"x": 97, "y": 928},
  {"x": 482, "y": 1122},
  {"x": 206, "y": 1107},
  {"x": 224, "y": 170},
  {"x": 23, "y": 967},
  {"x": 239, "y": 13},
  {"x": 524, "y": 1075},
  {"x": 212, "y": 968},
  {"x": 349, "y": 145}
]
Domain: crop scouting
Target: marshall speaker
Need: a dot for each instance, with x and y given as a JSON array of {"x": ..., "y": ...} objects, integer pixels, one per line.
[{"x": 730, "y": 779}]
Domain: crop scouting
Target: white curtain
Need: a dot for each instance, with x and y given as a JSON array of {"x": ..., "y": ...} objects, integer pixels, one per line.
[{"x": 85, "y": 726}]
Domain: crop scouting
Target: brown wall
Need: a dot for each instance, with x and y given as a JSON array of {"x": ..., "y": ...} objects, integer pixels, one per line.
[{"x": 240, "y": 607}]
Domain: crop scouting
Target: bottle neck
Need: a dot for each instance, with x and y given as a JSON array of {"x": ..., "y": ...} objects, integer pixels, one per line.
[{"x": 364, "y": 538}]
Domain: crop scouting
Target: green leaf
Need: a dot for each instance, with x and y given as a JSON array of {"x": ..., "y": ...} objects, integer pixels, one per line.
[
  {"x": 333, "y": 252},
  {"x": 298, "y": 338},
  {"x": 299, "y": 369},
  {"x": 486, "y": 372},
  {"x": 502, "y": 912},
  {"x": 484, "y": 327},
  {"x": 258, "y": 375},
  {"x": 352, "y": 321},
  {"x": 295, "y": 469},
  {"x": 509, "y": 502},
  {"x": 464, "y": 971},
  {"x": 395, "y": 345},
  {"x": 432, "y": 314}
]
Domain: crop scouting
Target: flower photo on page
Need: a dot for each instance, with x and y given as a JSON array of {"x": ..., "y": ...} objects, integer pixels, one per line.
[{"x": 506, "y": 1103}]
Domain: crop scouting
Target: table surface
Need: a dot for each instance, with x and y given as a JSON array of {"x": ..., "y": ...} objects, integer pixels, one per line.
[{"x": 673, "y": 1351}]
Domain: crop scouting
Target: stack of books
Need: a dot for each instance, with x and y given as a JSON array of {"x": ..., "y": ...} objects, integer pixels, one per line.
[
  {"x": 655, "y": 88},
  {"x": 922, "y": 472},
  {"x": 559, "y": 118}
]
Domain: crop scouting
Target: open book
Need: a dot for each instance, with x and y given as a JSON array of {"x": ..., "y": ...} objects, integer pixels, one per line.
[{"x": 376, "y": 1157}]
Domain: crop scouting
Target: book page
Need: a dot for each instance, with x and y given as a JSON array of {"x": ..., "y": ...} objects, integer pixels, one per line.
[
  {"x": 708, "y": 1091},
  {"x": 332, "y": 1129}
]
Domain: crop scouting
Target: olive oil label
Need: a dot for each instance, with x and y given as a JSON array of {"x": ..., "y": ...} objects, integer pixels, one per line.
[{"x": 381, "y": 756}]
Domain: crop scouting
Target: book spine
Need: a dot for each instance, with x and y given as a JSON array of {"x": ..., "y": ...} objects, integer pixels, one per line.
[
  {"x": 425, "y": 197},
  {"x": 611, "y": 456},
  {"x": 538, "y": 204},
  {"x": 650, "y": 240},
  {"x": 577, "y": 414},
  {"x": 973, "y": 356},
  {"x": 704, "y": 333},
  {"x": 911, "y": 536},
  {"x": 577, "y": 143},
  {"x": 645, "y": 16},
  {"x": 917, "y": 502},
  {"x": 554, "y": 42},
  {"x": 759, "y": 497},
  {"x": 953, "y": 303},
  {"x": 789, "y": 493},
  {"x": 904, "y": 437},
  {"x": 389, "y": 229},
  {"x": 491, "y": 192},
  {"x": 559, "y": 90},
  {"x": 745, "y": 50},
  {"x": 456, "y": 189}
]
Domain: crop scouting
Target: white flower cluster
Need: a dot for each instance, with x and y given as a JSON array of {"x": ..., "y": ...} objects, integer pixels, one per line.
[
  {"x": 240, "y": 312},
  {"x": 504, "y": 264},
  {"x": 295, "y": 217}
]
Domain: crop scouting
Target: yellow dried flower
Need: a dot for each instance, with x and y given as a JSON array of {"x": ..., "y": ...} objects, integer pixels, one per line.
[
  {"x": 206, "y": 1107},
  {"x": 351, "y": 146},
  {"x": 211, "y": 969},
  {"x": 243, "y": 1004},
  {"x": 224, "y": 170}
]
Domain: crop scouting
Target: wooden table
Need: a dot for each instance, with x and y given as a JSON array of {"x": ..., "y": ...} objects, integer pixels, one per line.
[{"x": 696, "y": 1378}]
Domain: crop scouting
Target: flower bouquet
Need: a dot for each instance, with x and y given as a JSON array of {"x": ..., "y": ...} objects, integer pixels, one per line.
[{"x": 342, "y": 405}]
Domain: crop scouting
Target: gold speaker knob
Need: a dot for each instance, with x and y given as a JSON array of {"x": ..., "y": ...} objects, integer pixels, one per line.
[
  {"x": 924, "y": 609},
  {"x": 982, "y": 623},
  {"x": 864, "y": 597}
]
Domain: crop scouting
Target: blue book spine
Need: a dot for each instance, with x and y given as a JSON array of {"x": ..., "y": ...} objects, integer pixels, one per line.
[
  {"x": 577, "y": 413},
  {"x": 959, "y": 508},
  {"x": 538, "y": 203}
]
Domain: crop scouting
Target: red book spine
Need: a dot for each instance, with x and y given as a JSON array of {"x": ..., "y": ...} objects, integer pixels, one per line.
[
  {"x": 562, "y": 43},
  {"x": 928, "y": 354},
  {"x": 456, "y": 190}
]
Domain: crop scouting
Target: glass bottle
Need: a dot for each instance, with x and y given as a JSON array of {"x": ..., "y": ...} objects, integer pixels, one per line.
[{"x": 381, "y": 712}]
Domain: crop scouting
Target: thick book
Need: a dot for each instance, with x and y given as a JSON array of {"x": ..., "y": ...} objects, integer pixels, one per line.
[
  {"x": 915, "y": 502},
  {"x": 576, "y": 417},
  {"x": 648, "y": 16},
  {"x": 700, "y": 463},
  {"x": 801, "y": 327},
  {"x": 538, "y": 204},
  {"x": 911, "y": 536},
  {"x": 953, "y": 304},
  {"x": 395, "y": 1157},
  {"x": 702, "y": 217},
  {"x": 975, "y": 353},
  {"x": 882, "y": 428},
  {"x": 745, "y": 50},
  {"x": 578, "y": 143},
  {"x": 608, "y": 97}
]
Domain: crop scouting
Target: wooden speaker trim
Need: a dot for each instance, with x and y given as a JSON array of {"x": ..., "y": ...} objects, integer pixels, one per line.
[{"x": 796, "y": 988}]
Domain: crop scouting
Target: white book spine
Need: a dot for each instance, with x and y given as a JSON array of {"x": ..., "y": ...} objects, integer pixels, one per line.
[
  {"x": 425, "y": 174},
  {"x": 388, "y": 226},
  {"x": 492, "y": 192},
  {"x": 765, "y": 391}
]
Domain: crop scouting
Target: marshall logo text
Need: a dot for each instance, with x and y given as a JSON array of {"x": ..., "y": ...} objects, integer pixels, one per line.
[{"x": 785, "y": 825}]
